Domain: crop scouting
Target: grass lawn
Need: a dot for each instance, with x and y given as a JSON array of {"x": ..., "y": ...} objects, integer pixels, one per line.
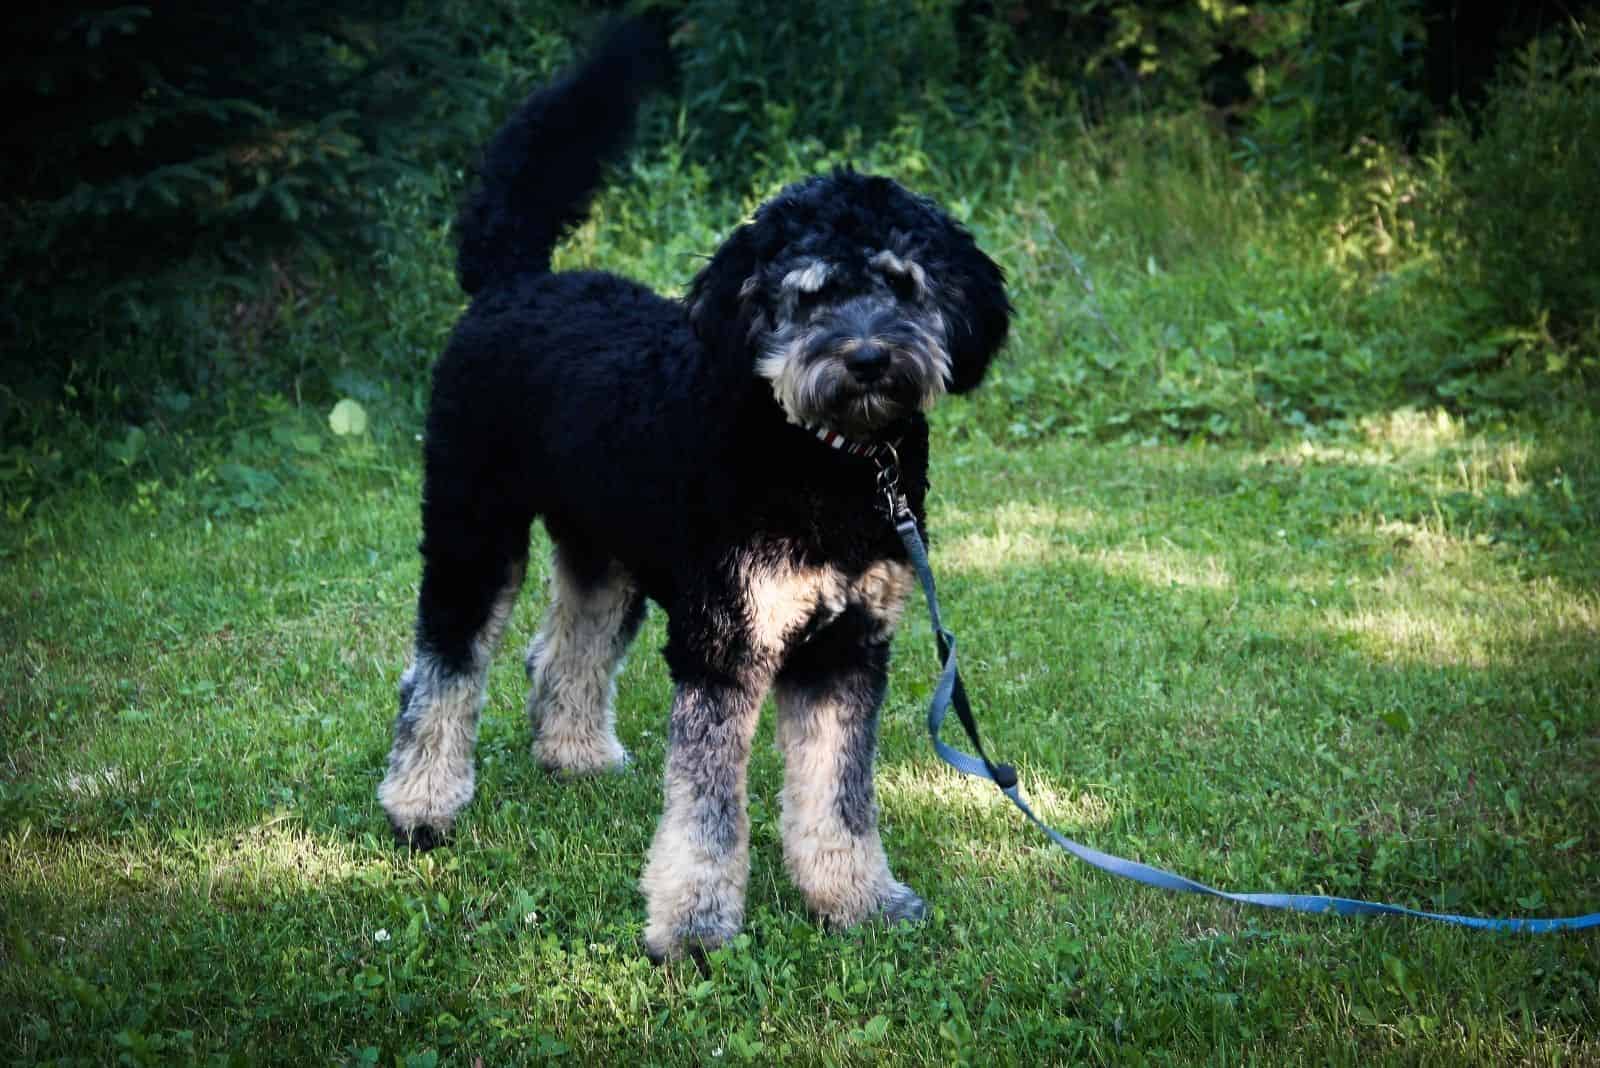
[{"x": 1363, "y": 664}]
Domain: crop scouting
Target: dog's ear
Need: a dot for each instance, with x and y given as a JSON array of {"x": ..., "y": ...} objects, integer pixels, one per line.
[
  {"x": 723, "y": 299},
  {"x": 977, "y": 313}
]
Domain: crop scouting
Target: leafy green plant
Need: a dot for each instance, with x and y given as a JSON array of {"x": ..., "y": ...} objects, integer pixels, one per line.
[
  {"x": 1525, "y": 201},
  {"x": 179, "y": 175},
  {"x": 1344, "y": 70},
  {"x": 758, "y": 75}
]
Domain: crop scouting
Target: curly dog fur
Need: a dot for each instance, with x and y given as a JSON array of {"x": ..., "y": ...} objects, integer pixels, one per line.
[{"x": 672, "y": 450}]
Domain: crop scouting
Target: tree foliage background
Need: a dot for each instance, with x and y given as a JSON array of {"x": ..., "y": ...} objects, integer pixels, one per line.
[
  {"x": 163, "y": 159},
  {"x": 175, "y": 174}
]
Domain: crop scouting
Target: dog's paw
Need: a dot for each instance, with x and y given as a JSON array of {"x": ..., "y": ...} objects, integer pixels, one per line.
[
  {"x": 900, "y": 904},
  {"x": 889, "y": 903},
  {"x": 581, "y": 756},
  {"x": 692, "y": 941},
  {"x": 422, "y": 805},
  {"x": 420, "y": 838}
]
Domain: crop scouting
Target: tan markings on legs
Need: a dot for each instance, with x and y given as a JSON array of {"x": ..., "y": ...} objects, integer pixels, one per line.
[
  {"x": 431, "y": 776},
  {"x": 841, "y": 870},
  {"x": 780, "y": 601},
  {"x": 829, "y": 822},
  {"x": 694, "y": 880},
  {"x": 572, "y": 668},
  {"x": 881, "y": 590}
]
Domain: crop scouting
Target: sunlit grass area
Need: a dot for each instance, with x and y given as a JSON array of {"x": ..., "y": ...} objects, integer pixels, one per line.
[{"x": 1359, "y": 664}]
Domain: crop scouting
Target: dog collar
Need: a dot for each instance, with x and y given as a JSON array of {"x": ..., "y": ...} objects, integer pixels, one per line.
[{"x": 868, "y": 450}]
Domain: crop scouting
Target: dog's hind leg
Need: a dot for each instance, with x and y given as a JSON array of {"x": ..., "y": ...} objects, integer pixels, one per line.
[
  {"x": 828, "y": 696},
  {"x": 470, "y": 580},
  {"x": 595, "y": 611}
]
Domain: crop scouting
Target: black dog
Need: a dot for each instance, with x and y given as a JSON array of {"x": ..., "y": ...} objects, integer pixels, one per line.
[{"x": 715, "y": 456}]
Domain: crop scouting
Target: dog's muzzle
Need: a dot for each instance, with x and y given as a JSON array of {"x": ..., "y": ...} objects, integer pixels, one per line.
[
  {"x": 864, "y": 335},
  {"x": 858, "y": 366}
]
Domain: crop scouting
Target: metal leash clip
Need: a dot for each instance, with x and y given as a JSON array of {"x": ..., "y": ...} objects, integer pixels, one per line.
[{"x": 896, "y": 508}]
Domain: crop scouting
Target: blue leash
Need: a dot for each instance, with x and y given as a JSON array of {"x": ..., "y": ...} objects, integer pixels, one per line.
[{"x": 950, "y": 691}]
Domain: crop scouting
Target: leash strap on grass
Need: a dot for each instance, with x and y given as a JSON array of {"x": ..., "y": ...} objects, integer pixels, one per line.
[{"x": 949, "y": 692}]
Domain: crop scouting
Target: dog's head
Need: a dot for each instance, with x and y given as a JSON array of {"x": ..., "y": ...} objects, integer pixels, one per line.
[{"x": 860, "y": 301}]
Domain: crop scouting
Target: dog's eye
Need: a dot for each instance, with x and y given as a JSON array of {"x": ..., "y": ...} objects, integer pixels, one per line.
[
  {"x": 808, "y": 299},
  {"x": 902, "y": 285}
]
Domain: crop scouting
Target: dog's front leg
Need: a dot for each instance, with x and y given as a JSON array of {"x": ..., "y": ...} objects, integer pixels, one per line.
[
  {"x": 829, "y": 695},
  {"x": 694, "y": 881}
]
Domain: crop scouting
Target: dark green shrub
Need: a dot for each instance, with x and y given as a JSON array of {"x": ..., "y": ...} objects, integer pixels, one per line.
[
  {"x": 1149, "y": 54},
  {"x": 758, "y": 73},
  {"x": 1527, "y": 190},
  {"x": 1341, "y": 73},
  {"x": 172, "y": 171}
]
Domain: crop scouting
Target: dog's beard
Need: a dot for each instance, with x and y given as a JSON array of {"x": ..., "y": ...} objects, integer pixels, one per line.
[{"x": 808, "y": 366}]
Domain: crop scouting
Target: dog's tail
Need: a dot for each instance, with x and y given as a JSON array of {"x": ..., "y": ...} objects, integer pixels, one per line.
[{"x": 539, "y": 172}]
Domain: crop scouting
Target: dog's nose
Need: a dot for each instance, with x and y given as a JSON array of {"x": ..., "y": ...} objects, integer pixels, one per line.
[{"x": 868, "y": 362}]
